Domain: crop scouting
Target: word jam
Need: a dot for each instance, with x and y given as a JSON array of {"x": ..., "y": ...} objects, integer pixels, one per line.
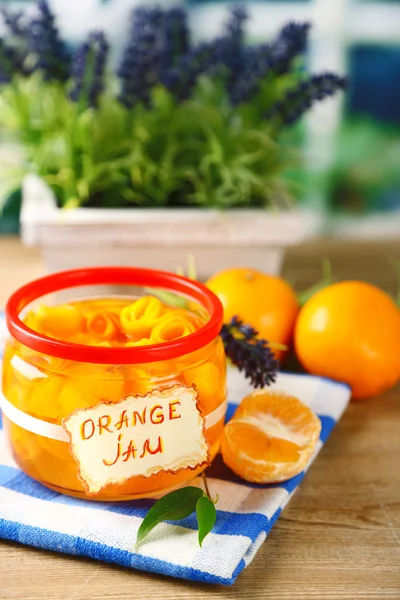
[{"x": 154, "y": 415}]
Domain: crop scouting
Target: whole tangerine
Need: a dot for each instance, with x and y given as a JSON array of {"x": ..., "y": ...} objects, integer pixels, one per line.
[
  {"x": 350, "y": 331},
  {"x": 266, "y": 302}
]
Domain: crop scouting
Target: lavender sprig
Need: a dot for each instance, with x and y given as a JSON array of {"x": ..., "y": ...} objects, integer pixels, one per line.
[
  {"x": 300, "y": 99},
  {"x": 223, "y": 57},
  {"x": 46, "y": 46},
  {"x": 229, "y": 53},
  {"x": 143, "y": 55},
  {"x": 256, "y": 66},
  {"x": 88, "y": 69},
  {"x": 181, "y": 78},
  {"x": 175, "y": 34},
  {"x": 249, "y": 353},
  {"x": 13, "y": 22},
  {"x": 290, "y": 42},
  {"x": 230, "y": 49},
  {"x": 7, "y": 63},
  {"x": 15, "y": 51}
]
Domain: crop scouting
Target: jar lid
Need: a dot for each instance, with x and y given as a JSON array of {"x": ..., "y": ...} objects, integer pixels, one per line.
[{"x": 188, "y": 288}]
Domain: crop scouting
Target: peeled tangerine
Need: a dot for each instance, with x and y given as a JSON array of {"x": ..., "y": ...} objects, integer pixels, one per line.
[{"x": 270, "y": 438}]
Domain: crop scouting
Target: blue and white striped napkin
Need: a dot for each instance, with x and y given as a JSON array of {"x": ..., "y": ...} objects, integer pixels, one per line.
[{"x": 34, "y": 515}]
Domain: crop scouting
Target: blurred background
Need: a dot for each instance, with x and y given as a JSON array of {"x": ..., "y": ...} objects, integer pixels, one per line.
[{"x": 351, "y": 142}]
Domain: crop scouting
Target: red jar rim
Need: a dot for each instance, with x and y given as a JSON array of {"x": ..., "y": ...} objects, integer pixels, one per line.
[{"x": 118, "y": 276}]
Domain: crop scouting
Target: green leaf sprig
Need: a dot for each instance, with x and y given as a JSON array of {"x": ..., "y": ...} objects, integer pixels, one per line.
[{"x": 176, "y": 506}]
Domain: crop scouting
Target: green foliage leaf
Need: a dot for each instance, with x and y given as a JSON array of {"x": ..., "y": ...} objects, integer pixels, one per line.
[
  {"x": 172, "y": 507},
  {"x": 206, "y": 517}
]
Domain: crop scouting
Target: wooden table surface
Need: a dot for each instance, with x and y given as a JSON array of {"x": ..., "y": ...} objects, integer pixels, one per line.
[{"x": 339, "y": 537}]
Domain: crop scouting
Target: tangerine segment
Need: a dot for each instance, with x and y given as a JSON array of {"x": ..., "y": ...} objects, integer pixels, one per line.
[{"x": 270, "y": 438}]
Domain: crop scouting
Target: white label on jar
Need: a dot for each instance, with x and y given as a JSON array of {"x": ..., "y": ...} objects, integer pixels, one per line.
[{"x": 139, "y": 436}]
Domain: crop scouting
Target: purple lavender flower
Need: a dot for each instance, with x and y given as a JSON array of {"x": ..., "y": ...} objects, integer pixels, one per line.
[
  {"x": 261, "y": 59},
  {"x": 249, "y": 353},
  {"x": 143, "y": 56},
  {"x": 7, "y": 63},
  {"x": 181, "y": 78},
  {"x": 46, "y": 46},
  {"x": 17, "y": 47},
  {"x": 222, "y": 57},
  {"x": 175, "y": 34},
  {"x": 300, "y": 99},
  {"x": 88, "y": 69},
  {"x": 290, "y": 42},
  {"x": 230, "y": 52},
  {"x": 231, "y": 45},
  {"x": 256, "y": 66},
  {"x": 13, "y": 22}
]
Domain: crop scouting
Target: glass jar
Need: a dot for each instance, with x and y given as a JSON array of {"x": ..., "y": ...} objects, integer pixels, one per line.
[{"x": 114, "y": 423}]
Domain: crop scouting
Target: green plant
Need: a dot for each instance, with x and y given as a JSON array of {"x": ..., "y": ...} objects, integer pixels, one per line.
[
  {"x": 365, "y": 171},
  {"x": 178, "y": 124}
]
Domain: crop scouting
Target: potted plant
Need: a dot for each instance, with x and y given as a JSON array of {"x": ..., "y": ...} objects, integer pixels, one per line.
[{"x": 183, "y": 148}]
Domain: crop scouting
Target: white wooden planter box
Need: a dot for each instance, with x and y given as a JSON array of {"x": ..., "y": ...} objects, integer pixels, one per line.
[{"x": 158, "y": 238}]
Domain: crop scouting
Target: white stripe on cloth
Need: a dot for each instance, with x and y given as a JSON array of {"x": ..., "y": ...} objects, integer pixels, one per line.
[
  {"x": 325, "y": 397},
  {"x": 240, "y": 499},
  {"x": 248, "y": 557}
]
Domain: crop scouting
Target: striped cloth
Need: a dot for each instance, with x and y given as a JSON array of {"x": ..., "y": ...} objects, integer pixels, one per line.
[{"x": 34, "y": 515}]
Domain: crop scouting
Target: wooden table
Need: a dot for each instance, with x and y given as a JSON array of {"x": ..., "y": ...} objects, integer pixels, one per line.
[{"x": 339, "y": 538}]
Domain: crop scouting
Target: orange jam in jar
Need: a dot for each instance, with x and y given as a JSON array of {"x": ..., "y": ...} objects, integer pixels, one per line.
[{"x": 114, "y": 397}]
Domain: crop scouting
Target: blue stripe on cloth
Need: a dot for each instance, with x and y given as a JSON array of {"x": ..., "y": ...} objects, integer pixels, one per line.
[
  {"x": 242, "y": 565},
  {"x": 25, "y": 485},
  {"x": 229, "y": 412},
  {"x": 271, "y": 522},
  {"x": 7, "y": 474},
  {"x": 327, "y": 425},
  {"x": 69, "y": 544}
]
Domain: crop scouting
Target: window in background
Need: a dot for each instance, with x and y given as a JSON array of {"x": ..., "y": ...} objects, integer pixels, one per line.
[
  {"x": 365, "y": 174},
  {"x": 375, "y": 82}
]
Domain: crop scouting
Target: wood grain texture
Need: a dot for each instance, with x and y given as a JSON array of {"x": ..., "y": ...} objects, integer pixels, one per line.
[{"x": 339, "y": 537}]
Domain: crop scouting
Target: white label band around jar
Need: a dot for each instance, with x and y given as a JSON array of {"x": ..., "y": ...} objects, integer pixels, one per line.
[
  {"x": 57, "y": 432},
  {"x": 112, "y": 442}
]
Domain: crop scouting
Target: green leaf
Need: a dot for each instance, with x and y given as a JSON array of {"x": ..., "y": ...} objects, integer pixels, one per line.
[
  {"x": 172, "y": 507},
  {"x": 206, "y": 517}
]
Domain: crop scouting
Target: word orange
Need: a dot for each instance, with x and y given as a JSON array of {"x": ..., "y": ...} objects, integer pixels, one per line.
[{"x": 156, "y": 415}]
